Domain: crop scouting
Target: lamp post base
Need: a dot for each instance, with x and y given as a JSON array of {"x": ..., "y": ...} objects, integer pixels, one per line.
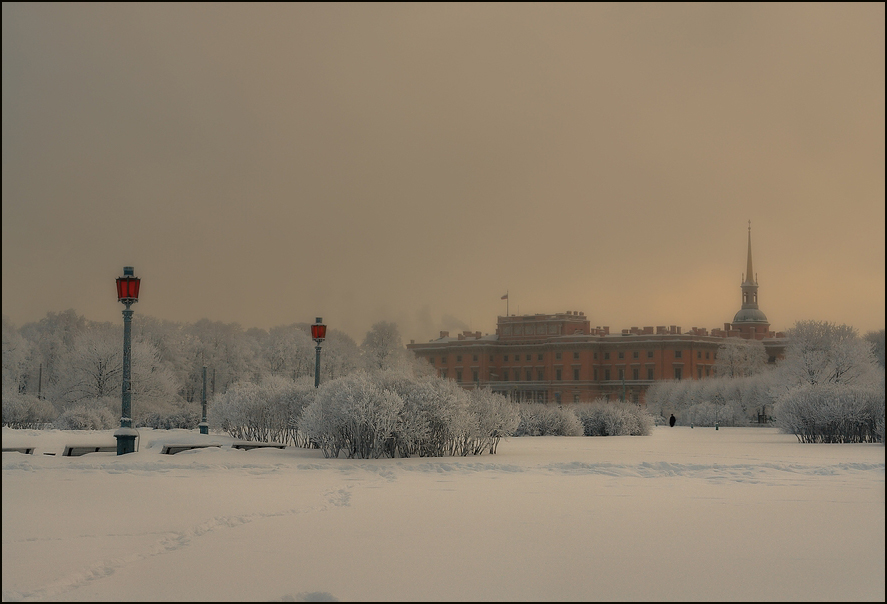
[
  {"x": 126, "y": 440},
  {"x": 204, "y": 427}
]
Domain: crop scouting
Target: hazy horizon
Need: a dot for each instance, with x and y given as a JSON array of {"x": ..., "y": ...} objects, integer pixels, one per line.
[{"x": 267, "y": 164}]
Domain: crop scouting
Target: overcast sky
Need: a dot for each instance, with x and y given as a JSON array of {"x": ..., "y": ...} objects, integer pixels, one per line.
[{"x": 270, "y": 163}]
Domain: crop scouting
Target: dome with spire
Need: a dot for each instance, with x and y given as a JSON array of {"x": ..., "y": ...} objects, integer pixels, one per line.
[{"x": 750, "y": 313}]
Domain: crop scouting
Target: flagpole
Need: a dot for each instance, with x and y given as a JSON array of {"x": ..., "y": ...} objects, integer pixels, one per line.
[{"x": 506, "y": 302}]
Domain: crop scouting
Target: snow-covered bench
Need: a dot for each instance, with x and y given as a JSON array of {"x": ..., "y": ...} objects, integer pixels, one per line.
[
  {"x": 173, "y": 448},
  {"x": 75, "y": 450},
  {"x": 25, "y": 450},
  {"x": 246, "y": 445}
]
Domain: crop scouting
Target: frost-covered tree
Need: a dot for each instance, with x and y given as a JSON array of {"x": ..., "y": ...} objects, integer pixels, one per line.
[
  {"x": 738, "y": 357},
  {"x": 819, "y": 352},
  {"x": 288, "y": 351},
  {"x": 876, "y": 339},
  {"x": 17, "y": 352},
  {"x": 382, "y": 347},
  {"x": 93, "y": 370}
]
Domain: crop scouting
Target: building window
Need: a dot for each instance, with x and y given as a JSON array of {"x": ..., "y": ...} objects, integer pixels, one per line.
[
  {"x": 474, "y": 357},
  {"x": 649, "y": 354},
  {"x": 706, "y": 354},
  {"x": 650, "y": 373},
  {"x": 635, "y": 374},
  {"x": 431, "y": 360},
  {"x": 575, "y": 355},
  {"x": 707, "y": 370},
  {"x": 474, "y": 376},
  {"x": 595, "y": 374},
  {"x": 458, "y": 358},
  {"x": 699, "y": 372},
  {"x": 677, "y": 373},
  {"x": 635, "y": 354},
  {"x": 678, "y": 353},
  {"x": 606, "y": 356},
  {"x": 506, "y": 357},
  {"x": 606, "y": 375},
  {"x": 622, "y": 374},
  {"x": 529, "y": 375},
  {"x": 557, "y": 375},
  {"x": 575, "y": 397},
  {"x": 557, "y": 398},
  {"x": 443, "y": 373},
  {"x": 539, "y": 357},
  {"x": 504, "y": 375},
  {"x": 576, "y": 374},
  {"x": 443, "y": 360},
  {"x": 595, "y": 356},
  {"x": 458, "y": 375},
  {"x": 528, "y": 357},
  {"x": 540, "y": 374},
  {"x": 557, "y": 356},
  {"x": 621, "y": 354},
  {"x": 491, "y": 358}
]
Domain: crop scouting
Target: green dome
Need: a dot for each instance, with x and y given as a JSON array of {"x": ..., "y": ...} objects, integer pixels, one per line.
[{"x": 750, "y": 315}]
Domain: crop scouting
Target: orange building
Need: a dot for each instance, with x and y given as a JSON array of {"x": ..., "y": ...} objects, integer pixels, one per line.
[{"x": 560, "y": 358}]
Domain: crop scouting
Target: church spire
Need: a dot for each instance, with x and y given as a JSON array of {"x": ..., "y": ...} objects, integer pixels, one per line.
[
  {"x": 750, "y": 320},
  {"x": 749, "y": 274}
]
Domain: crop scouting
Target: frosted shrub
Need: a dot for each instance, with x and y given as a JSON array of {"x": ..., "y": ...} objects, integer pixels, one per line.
[
  {"x": 352, "y": 414},
  {"x": 267, "y": 411},
  {"x": 186, "y": 419},
  {"x": 538, "y": 419},
  {"x": 495, "y": 418},
  {"x": 26, "y": 411},
  {"x": 394, "y": 413},
  {"x": 90, "y": 414},
  {"x": 604, "y": 418},
  {"x": 832, "y": 413}
]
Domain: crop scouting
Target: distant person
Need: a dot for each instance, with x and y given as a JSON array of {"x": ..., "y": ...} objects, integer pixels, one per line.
[{"x": 671, "y": 420}]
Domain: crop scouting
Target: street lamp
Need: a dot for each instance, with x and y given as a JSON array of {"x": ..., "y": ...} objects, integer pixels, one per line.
[
  {"x": 127, "y": 294},
  {"x": 204, "y": 425},
  {"x": 318, "y": 334}
]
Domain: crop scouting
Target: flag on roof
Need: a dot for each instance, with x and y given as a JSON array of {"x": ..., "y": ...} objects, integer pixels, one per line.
[{"x": 505, "y": 297}]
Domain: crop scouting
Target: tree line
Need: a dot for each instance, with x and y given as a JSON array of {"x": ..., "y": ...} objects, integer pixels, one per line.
[{"x": 828, "y": 388}]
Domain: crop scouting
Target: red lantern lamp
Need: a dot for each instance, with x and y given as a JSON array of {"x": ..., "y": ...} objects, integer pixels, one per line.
[
  {"x": 318, "y": 331},
  {"x": 128, "y": 287}
]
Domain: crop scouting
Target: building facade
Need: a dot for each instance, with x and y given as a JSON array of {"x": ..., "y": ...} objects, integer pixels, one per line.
[{"x": 561, "y": 358}]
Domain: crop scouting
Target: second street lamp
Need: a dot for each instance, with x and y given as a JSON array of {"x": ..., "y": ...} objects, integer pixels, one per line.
[{"x": 318, "y": 334}]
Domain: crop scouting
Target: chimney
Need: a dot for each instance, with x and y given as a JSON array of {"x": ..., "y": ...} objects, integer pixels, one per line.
[{"x": 445, "y": 334}]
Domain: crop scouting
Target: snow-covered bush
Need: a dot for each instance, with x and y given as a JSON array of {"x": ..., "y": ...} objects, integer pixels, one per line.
[
  {"x": 538, "y": 419},
  {"x": 353, "y": 414},
  {"x": 90, "y": 414},
  {"x": 495, "y": 418},
  {"x": 604, "y": 418},
  {"x": 832, "y": 413},
  {"x": 395, "y": 413},
  {"x": 26, "y": 411},
  {"x": 267, "y": 411},
  {"x": 186, "y": 419}
]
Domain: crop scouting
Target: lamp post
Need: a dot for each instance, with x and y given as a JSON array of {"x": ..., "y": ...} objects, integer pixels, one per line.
[
  {"x": 204, "y": 425},
  {"x": 127, "y": 294},
  {"x": 318, "y": 334}
]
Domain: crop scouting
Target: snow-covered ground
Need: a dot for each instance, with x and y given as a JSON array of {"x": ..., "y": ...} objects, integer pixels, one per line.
[{"x": 683, "y": 514}]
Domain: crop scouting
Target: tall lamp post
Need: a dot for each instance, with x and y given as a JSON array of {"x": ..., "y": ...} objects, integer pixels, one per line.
[
  {"x": 127, "y": 294},
  {"x": 318, "y": 334},
  {"x": 204, "y": 425}
]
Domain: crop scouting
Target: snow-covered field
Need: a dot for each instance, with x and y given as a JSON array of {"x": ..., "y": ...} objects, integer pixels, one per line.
[{"x": 683, "y": 514}]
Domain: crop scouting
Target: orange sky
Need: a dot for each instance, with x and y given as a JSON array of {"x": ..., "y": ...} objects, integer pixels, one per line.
[{"x": 269, "y": 163}]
